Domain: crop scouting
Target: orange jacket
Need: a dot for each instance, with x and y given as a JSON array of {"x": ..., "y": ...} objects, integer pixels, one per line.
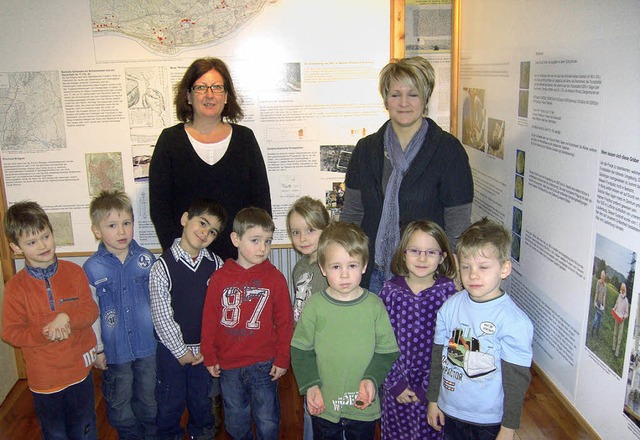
[{"x": 26, "y": 309}]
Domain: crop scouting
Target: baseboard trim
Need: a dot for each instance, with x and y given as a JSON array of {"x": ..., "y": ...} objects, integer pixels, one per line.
[{"x": 565, "y": 402}]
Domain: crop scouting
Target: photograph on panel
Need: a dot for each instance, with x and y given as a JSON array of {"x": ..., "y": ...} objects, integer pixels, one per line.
[{"x": 613, "y": 275}]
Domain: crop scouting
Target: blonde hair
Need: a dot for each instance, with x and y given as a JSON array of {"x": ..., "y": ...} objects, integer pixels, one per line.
[
  {"x": 108, "y": 201},
  {"x": 313, "y": 212},
  {"x": 484, "y": 233},
  {"x": 416, "y": 72},
  {"x": 347, "y": 235}
]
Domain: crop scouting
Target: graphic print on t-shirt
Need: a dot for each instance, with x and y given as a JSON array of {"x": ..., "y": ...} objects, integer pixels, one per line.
[
  {"x": 238, "y": 302},
  {"x": 464, "y": 351},
  {"x": 303, "y": 292}
]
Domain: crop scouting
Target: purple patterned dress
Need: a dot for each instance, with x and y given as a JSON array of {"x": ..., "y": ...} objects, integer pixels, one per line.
[{"x": 413, "y": 317}]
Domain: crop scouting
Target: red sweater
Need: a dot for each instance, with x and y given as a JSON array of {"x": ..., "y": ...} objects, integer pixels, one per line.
[
  {"x": 51, "y": 366},
  {"x": 247, "y": 317}
]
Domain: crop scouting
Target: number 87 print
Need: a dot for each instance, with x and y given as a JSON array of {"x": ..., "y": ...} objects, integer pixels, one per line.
[{"x": 232, "y": 299}]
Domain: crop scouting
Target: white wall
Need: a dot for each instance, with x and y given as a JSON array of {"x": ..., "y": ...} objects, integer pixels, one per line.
[{"x": 8, "y": 371}]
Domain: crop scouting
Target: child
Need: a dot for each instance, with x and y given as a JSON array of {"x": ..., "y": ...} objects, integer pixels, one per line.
[
  {"x": 478, "y": 383},
  {"x": 599, "y": 303},
  {"x": 48, "y": 312},
  {"x": 119, "y": 276},
  {"x": 306, "y": 220},
  {"x": 178, "y": 285},
  {"x": 424, "y": 267},
  {"x": 343, "y": 345},
  {"x": 247, "y": 327},
  {"x": 620, "y": 312}
]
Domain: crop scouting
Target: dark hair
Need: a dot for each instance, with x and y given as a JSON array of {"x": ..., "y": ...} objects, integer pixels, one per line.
[
  {"x": 251, "y": 217},
  {"x": 484, "y": 233},
  {"x": 399, "y": 261},
  {"x": 232, "y": 111},
  {"x": 25, "y": 217},
  {"x": 107, "y": 201},
  {"x": 208, "y": 207},
  {"x": 347, "y": 235}
]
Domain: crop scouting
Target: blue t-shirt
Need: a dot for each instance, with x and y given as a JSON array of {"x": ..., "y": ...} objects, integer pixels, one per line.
[{"x": 476, "y": 336}]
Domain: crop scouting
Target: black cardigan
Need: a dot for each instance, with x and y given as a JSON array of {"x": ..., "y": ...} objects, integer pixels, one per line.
[
  {"x": 177, "y": 176},
  {"x": 439, "y": 177}
]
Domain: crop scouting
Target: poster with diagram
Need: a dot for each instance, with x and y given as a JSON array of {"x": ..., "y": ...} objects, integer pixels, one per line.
[
  {"x": 550, "y": 126},
  {"x": 84, "y": 99}
]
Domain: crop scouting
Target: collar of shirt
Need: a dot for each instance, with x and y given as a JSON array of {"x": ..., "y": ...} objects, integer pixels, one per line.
[{"x": 180, "y": 254}]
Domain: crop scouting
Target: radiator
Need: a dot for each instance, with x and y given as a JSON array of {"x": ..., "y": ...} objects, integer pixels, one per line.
[{"x": 284, "y": 259}]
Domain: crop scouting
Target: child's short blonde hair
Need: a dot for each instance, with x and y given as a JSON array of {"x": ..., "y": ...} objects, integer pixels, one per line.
[
  {"x": 399, "y": 260},
  {"x": 347, "y": 235},
  {"x": 251, "y": 217},
  {"x": 484, "y": 233},
  {"x": 107, "y": 201},
  {"x": 25, "y": 217},
  {"x": 313, "y": 212}
]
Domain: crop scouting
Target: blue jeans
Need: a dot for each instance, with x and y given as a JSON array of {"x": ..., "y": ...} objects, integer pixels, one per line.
[
  {"x": 307, "y": 433},
  {"x": 68, "y": 414},
  {"x": 179, "y": 386},
  {"x": 376, "y": 282},
  {"x": 455, "y": 429},
  {"x": 249, "y": 391},
  {"x": 597, "y": 321},
  {"x": 129, "y": 394},
  {"x": 346, "y": 429}
]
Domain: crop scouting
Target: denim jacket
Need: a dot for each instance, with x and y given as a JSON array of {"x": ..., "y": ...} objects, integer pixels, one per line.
[{"x": 122, "y": 290}]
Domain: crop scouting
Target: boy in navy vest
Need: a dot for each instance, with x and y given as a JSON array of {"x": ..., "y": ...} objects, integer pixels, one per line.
[{"x": 178, "y": 286}]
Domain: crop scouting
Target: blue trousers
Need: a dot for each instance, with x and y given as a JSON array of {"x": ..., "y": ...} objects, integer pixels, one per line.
[
  {"x": 129, "y": 394},
  {"x": 307, "y": 434},
  {"x": 246, "y": 392},
  {"x": 179, "y": 387},
  {"x": 455, "y": 429},
  {"x": 597, "y": 321},
  {"x": 68, "y": 414},
  {"x": 345, "y": 429},
  {"x": 376, "y": 282}
]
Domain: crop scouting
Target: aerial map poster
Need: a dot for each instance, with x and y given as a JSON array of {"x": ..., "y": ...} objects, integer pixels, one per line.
[{"x": 86, "y": 87}]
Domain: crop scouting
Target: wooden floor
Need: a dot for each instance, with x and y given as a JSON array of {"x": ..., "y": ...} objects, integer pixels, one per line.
[{"x": 544, "y": 416}]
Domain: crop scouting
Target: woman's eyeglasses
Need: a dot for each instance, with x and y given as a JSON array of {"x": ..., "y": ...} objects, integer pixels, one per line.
[{"x": 201, "y": 89}]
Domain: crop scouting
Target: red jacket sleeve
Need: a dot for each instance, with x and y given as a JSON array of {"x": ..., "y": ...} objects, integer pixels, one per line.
[
  {"x": 283, "y": 323},
  {"x": 210, "y": 320}
]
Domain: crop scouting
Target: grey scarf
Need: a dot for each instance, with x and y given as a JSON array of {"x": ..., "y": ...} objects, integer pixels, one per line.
[{"x": 388, "y": 236}]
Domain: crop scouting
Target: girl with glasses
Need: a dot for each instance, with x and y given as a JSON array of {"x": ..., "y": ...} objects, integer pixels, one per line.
[{"x": 423, "y": 267}]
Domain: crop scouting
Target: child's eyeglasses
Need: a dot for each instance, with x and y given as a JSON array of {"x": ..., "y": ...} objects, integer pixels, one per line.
[{"x": 430, "y": 253}]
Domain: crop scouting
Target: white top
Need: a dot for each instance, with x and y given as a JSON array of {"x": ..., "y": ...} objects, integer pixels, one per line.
[{"x": 210, "y": 152}]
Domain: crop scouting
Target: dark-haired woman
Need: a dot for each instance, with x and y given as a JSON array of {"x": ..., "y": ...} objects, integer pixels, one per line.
[{"x": 206, "y": 155}]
